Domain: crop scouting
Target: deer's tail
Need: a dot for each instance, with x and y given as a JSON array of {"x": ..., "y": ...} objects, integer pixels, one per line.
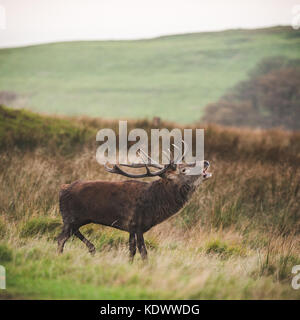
[
  {"x": 64, "y": 186},
  {"x": 65, "y": 197}
]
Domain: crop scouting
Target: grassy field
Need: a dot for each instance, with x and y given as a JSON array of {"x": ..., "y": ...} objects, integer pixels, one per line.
[
  {"x": 173, "y": 77},
  {"x": 238, "y": 238}
]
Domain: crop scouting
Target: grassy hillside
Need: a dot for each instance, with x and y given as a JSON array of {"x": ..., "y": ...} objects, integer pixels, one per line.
[
  {"x": 237, "y": 238},
  {"x": 173, "y": 77},
  {"x": 27, "y": 130}
]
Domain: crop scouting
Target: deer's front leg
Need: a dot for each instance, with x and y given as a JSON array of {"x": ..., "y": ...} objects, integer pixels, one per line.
[
  {"x": 132, "y": 246},
  {"x": 141, "y": 245}
]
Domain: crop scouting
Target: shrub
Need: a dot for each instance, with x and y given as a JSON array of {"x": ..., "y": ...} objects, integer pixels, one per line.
[{"x": 39, "y": 226}]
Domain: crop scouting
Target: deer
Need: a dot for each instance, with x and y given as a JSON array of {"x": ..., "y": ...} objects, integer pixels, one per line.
[{"x": 133, "y": 206}]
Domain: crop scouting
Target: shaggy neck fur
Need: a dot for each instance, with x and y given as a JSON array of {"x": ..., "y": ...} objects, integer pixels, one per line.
[{"x": 163, "y": 199}]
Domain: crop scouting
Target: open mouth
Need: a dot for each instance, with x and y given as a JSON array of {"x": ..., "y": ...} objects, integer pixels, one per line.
[{"x": 206, "y": 174}]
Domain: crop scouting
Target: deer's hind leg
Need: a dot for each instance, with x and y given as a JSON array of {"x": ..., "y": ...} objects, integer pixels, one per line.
[
  {"x": 89, "y": 245},
  {"x": 63, "y": 237}
]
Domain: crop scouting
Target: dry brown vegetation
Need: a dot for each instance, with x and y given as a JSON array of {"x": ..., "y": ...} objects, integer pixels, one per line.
[{"x": 237, "y": 238}]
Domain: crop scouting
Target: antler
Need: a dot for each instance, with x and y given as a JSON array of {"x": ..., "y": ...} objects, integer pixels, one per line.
[
  {"x": 172, "y": 164},
  {"x": 140, "y": 165},
  {"x": 152, "y": 162},
  {"x": 116, "y": 169},
  {"x": 186, "y": 148},
  {"x": 180, "y": 157}
]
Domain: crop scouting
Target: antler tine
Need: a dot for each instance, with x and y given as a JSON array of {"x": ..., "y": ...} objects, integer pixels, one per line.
[
  {"x": 146, "y": 166},
  {"x": 186, "y": 148},
  {"x": 108, "y": 169},
  {"x": 149, "y": 158}
]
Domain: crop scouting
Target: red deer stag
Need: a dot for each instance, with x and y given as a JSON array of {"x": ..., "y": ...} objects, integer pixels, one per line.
[{"x": 132, "y": 206}]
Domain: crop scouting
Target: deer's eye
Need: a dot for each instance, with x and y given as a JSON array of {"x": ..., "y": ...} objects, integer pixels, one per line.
[{"x": 183, "y": 170}]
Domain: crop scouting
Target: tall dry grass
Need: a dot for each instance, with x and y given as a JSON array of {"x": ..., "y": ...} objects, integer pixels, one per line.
[{"x": 237, "y": 238}]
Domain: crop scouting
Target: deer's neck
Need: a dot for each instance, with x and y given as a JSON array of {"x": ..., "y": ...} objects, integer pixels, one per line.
[{"x": 163, "y": 199}]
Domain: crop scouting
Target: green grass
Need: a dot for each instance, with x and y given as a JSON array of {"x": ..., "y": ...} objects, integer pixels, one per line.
[
  {"x": 173, "y": 77},
  {"x": 35, "y": 271},
  {"x": 60, "y": 289}
]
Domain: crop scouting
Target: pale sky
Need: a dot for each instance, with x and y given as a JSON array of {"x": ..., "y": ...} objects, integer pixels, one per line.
[{"x": 24, "y": 22}]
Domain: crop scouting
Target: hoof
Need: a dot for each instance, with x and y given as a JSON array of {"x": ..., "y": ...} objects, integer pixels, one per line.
[{"x": 92, "y": 251}]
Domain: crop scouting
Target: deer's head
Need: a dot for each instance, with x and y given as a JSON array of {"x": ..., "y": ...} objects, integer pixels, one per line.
[{"x": 188, "y": 174}]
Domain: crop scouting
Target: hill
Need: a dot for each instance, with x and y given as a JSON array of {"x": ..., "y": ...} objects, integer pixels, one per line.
[{"x": 173, "y": 77}]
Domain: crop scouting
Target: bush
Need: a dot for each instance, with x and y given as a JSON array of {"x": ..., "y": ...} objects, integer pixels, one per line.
[{"x": 39, "y": 226}]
